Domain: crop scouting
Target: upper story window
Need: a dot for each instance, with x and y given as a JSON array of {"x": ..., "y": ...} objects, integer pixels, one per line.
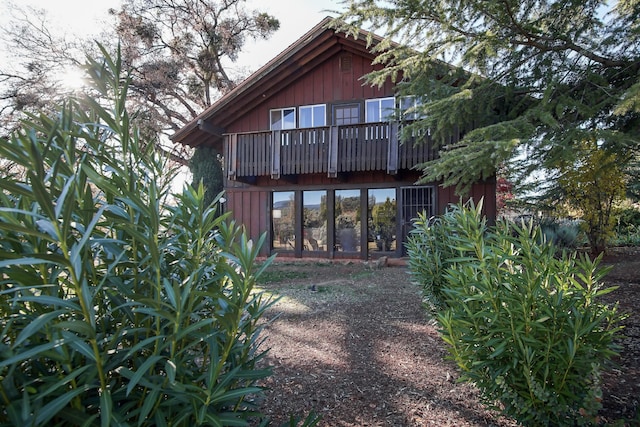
[
  {"x": 379, "y": 109},
  {"x": 346, "y": 114},
  {"x": 283, "y": 118},
  {"x": 313, "y": 115},
  {"x": 408, "y": 107}
]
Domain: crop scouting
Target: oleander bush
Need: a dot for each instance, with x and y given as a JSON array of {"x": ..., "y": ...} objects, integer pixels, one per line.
[
  {"x": 522, "y": 320},
  {"x": 117, "y": 308},
  {"x": 431, "y": 251}
]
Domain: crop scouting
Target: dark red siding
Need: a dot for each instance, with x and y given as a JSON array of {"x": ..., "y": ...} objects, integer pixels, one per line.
[
  {"x": 324, "y": 85},
  {"x": 484, "y": 191}
]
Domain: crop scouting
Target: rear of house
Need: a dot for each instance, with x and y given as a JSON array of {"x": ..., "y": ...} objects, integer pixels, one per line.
[{"x": 312, "y": 156}]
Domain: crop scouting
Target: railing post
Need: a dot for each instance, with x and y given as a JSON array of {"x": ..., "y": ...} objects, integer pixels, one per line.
[
  {"x": 275, "y": 137},
  {"x": 231, "y": 156},
  {"x": 392, "y": 149},
  {"x": 332, "y": 167}
]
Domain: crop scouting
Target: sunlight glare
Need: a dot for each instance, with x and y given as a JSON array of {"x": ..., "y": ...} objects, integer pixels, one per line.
[{"x": 72, "y": 79}]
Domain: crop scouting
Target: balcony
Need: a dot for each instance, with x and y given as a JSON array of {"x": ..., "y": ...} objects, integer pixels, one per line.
[{"x": 329, "y": 149}]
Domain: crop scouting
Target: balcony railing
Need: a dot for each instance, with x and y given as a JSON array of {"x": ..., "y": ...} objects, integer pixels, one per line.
[{"x": 328, "y": 149}]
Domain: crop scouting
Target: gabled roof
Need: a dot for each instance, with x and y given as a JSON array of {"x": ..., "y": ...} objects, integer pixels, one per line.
[{"x": 301, "y": 57}]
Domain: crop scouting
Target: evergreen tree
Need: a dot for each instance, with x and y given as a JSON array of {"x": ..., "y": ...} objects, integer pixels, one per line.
[
  {"x": 206, "y": 166},
  {"x": 526, "y": 78}
]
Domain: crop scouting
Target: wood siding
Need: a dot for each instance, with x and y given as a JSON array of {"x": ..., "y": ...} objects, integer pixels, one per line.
[{"x": 324, "y": 84}]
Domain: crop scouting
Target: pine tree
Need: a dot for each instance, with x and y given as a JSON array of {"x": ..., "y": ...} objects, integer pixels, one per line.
[{"x": 540, "y": 75}]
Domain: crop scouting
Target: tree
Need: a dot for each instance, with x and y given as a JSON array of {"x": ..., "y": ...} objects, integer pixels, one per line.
[
  {"x": 36, "y": 59},
  {"x": 179, "y": 55},
  {"x": 594, "y": 185},
  {"x": 537, "y": 74},
  {"x": 206, "y": 166}
]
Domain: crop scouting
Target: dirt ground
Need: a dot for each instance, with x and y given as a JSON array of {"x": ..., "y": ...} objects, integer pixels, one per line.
[{"x": 354, "y": 345}]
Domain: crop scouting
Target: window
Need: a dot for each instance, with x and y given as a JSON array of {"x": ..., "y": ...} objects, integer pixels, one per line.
[
  {"x": 283, "y": 220},
  {"x": 283, "y": 118},
  {"x": 414, "y": 200},
  {"x": 313, "y": 116},
  {"x": 347, "y": 114},
  {"x": 408, "y": 107},
  {"x": 380, "y": 109},
  {"x": 347, "y": 220},
  {"x": 314, "y": 220},
  {"x": 381, "y": 218}
]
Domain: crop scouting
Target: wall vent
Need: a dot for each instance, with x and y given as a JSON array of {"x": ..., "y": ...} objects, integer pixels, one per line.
[{"x": 346, "y": 62}]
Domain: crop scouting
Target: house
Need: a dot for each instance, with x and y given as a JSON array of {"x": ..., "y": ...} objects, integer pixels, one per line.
[{"x": 312, "y": 158}]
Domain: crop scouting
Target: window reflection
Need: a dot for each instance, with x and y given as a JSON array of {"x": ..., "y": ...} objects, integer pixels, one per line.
[
  {"x": 381, "y": 220},
  {"x": 283, "y": 220},
  {"x": 314, "y": 220},
  {"x": 347, "y": 220}
]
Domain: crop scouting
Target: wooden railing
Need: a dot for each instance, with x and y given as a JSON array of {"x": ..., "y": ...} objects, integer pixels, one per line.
[{"x": 327, "y": 149}]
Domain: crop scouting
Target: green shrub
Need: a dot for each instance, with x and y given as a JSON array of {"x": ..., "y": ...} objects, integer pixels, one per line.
[
  {"x": 563, "y": 233},
  {"x": 628, "y": 228},
  {"x": 522, "y": 321},
  {"x": 430, "y": 250},
  {"x": 628, "y": 220},
  {"x": 116, "y": 308}
]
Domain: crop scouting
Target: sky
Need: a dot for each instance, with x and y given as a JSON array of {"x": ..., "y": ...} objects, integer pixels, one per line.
[
  {"x": 84, "y": 18},
  {"x": 296, "y": 18}
]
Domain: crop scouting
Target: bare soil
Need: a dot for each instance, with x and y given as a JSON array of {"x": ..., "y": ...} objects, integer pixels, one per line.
[{"x": 355, "y": 346}]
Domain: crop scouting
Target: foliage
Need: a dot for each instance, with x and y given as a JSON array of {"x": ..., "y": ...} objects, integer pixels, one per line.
[
  {"x": 504, "y": 194},
  {"x": 177, "y": 49},
  {"x": 179, "y": 53},
  {"x": 628, "y": 219},
  {"x": 384, "y": 223},
  {"x": 206, "y": 166},
  {"x": 430, "y": 247},
  {"x": 117, "y": 308},
  {"x": 35, "y": 61},
  {"x": 522, "y": 321},
  {"x": 629, "y": 238},
  {"x": 527, "y": 78},
  {"x": 627, "y": 231},
  {"x": 594, "y": 184},
  {"x": 563, "y": 233}
]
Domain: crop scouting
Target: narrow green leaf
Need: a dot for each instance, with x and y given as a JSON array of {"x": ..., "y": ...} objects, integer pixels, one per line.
[
  {"x": 79, "y": 326},
  {"x": 50, "y": 300},
  {"x": 25, "y": 261},
  {"x": 48, "y": 228},
  {"x": 64, "y": 381},
  {"x": 141, "y": 372},
  {"x": 36, "y": 325},
  {"x": 142, "y": 344},
  {"x": 233, "y": 395},
  {"x": 170, "y": 368},
  {"x": 26, "y": 230},
  {"x": 80, "y": 346},
  {"x": 51, "y": 409},
  {"x": 150, "y": 401},
  {"x": 171, "y": 295},
  {"x": 62, "y": 199},
  {"x": 31, "y": 352},
  {"x": 106, "y": 408}
]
